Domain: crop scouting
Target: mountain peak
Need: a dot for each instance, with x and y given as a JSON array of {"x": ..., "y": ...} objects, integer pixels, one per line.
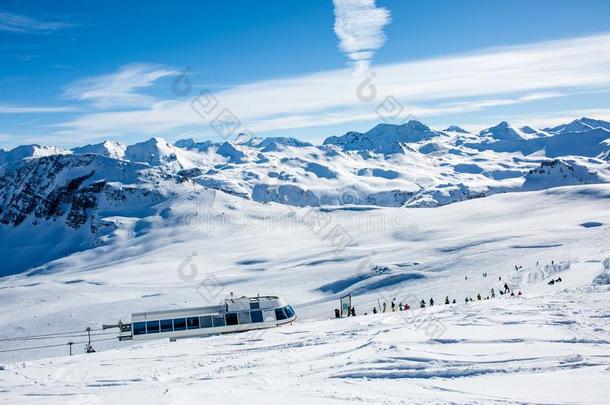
[
  {"x": 455, "y": 128},
  {"x": 107, "y": 148},
  {"x": 154, "y": 151},
  {"x": 579, "y": 125},
  {"x": 502, "y": 132}
]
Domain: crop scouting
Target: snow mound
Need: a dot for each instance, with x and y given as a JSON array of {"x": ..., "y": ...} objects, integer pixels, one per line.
[{"x": 603, "y": 278}]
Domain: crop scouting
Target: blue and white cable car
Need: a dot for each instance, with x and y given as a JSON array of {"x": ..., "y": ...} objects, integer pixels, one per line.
[{"x": 235, "y": 315}]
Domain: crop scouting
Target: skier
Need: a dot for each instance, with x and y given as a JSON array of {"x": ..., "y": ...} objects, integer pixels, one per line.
[
  {"x": 422, "y": 304},
  {"x": 400, "y": 306},
  {"x": 374, "y": 310},
  {"x": 552, "y": 282},
  {"x": 493, "y": 293},
  {"x": 407, "y": 307},
  {"x": 506, "y": 289},
  {"x": 453, "y": 301},
  {"x": 519, "y": 293},
  {"x": 353, "y": 311},
  {"x": 337, "y": 313},
  {"x": 558, "y": 280},
  {"x": 479, "y": 297},
  {"x": 466, "y": 300},
  {"x": 431, "y": 301},
  {"x": 393, "y": 305},
  {"x": 384, "y": 307},
  {"x": 447, "y": 300}
]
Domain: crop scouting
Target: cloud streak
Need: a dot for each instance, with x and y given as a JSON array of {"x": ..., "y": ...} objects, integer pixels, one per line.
[
  {"x": 15, "y": 109},
  {"x": 359, "y": 27},
  {"x": 23, "y": 24},
  {"x": 119, "y": 89}
]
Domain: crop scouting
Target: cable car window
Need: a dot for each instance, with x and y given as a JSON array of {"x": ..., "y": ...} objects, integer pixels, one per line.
[
  {"x": 289, "y": 311},
  {"x": 219, "y": 320},
  {"x": 231, "y": 319},
  {"x": 269, "y": 315},
  {"x": 166, "y": 325},
  {"x": 257, "y": 316},
  {"x": 179, "y": 324},
  {"x": 244, "y": 317},
  {"x": 139, "y": 328},
  {"x": 255, "y": 305},
  {"x": 152, "y": 327},
  {"x": 205, "y": 321},
  {"x": 192, "y": 322},
  {"x": 279, "y": 314}
]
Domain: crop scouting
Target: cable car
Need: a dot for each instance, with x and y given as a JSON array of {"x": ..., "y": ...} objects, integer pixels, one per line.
[{"x": 234, "y": 315}]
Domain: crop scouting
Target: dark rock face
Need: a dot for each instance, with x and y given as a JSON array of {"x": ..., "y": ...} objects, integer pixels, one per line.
[{"x": 64, "y": 187}]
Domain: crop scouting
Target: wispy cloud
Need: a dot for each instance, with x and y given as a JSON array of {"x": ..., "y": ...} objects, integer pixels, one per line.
[
  {"x": 18, "y": 109},
  {"x": 359, "y": 27},
  {"x": 429, "y": 87},
  {"x": 119, "y": 89},
  {"x": 23, "y": 24}
]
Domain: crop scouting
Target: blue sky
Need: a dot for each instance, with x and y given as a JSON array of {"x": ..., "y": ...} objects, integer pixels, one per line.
[{"x": 76, "y": 72}]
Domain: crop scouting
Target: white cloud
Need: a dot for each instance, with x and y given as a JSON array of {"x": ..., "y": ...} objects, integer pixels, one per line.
[
  {"x": 13, "y": 109},
  {"x": 429, "y": 87},
  {"x": 359, "y": 27},
  {"x": 24, "y": 24},
  {"x": 118, "y": 89}
]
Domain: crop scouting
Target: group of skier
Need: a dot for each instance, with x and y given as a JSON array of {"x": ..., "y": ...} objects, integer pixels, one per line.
[{"x": 504, "y": 290}]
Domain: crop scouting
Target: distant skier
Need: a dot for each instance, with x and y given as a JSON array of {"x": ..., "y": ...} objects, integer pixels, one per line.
[
  {"x": 447, "y": 300},
  {"x": 353, "y": 311},
  {"x": 519, "y": 293},
  {"x": 400, "y": 306},
  {"x": 466, "y": 300},
  {"x": 552, "y": 282},
  {"x": 407, "y": 307},
  {"x": 453, "y": 301},
  {"x": 374, "y": 310},
  {"x": 479, "y": 297},
  {"x": 393, "y": 305},
  {"x": 337, "y": 313},
  {"x": 422, "y": 304},
  {"x": 384, "y": 308},
  {"x": 431, "y": 302},
  {"x": 493, "y": 293},
  {"x": 558, "y": 280},
  {"x": 506, "y": 289}
]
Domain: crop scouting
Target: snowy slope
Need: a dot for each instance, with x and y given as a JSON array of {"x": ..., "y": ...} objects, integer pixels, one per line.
[
  {"x": 547, "y": 346},
  {"x": 253, "y": 248}
]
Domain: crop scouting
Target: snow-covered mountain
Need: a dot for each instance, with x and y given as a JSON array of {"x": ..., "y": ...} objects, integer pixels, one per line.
[
  {"x": 107, "y": 148},
  {"x": 47, "y": 191},
  {"x": 28, "y": 151}
]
